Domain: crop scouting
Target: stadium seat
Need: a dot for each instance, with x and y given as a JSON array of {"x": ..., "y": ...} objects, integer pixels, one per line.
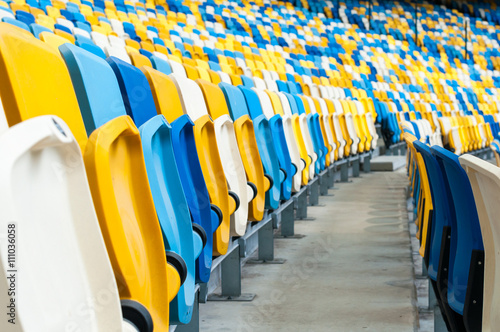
[
  {"x": 245, "y": 136},
  {"x": 120, "y": 78},
  {"x": 35, "y": 172},
  {"x": 440, "y": 234},
  {"x": 280, "y": 144},
  {"x": 281, "y": 123},
  {"x": 485, "y": 182},
  {"x": 229, "y": 153},
  {"x": 466, "y": 272},
  {"x": 264, "y": 137},
  {"x": 34, "y": 76},
  {"x": 208, "y": 154},
  {"x": 495, "y": 147}
]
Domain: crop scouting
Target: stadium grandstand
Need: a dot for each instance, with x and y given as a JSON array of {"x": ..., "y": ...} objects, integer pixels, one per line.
[{"x": 249, "y": 165}]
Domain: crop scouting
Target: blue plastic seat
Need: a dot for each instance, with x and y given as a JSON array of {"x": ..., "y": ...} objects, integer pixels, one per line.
[
  {"x": 131, "y": 79},
  {"x": 91, "y": 47},
  {"x": 36, "y": 29},
  {"x": 17, "y": 23},
  {"x": 281, "y": 148},
  {"x": 466, "y": 265},
  {"x": 320, "y": 147},
  {"x": 161, "y": 65},
  {"x": 100, "y": 99},
  {"x": 265, "y": 141},
  {"x": 440, "y": 232},
  {"x": 247, "y": 143}
]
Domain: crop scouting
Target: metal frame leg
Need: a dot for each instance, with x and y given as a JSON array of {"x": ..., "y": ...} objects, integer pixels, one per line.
[
  {"x": 266, "y": 246},
  {"x": 300, "y": 204},
  {"x": 231, "y": 279},
  {"x": 395, "y": 151},
  {"x": 331, "y": 177},
  {"x": 344, "y": 172},
  {"x": 323, "y": 183},
  {"x": 314, "y": 192},
  {"x": 355, "y": 167},
  {"x": 288, "y": 223},
  {"x": 366, "y": 163}
]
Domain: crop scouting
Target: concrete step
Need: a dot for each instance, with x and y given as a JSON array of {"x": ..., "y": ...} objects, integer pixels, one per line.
[{"x": 387, "y": 163}]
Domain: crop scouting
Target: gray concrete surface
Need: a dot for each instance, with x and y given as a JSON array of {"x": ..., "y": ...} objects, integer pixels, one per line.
[
  {"x": 352, "y": 272},
  {"x": 388, "y": 163}
]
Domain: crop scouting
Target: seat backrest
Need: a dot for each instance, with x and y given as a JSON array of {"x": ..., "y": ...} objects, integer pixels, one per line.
[
  {"x": 165, "y": 94},
  {"x": 97, "y": 89},
  {"x": 128, "y": 216},
  {"x": 466, "y": 233},
  {"x": 43, "y": 186},
  {"x": 34, "y": 76},
  {"x": 441, "y": 202},
  {"x": 192, "y": 100},
  {"x": 485, "y": 181},
  {"x": 235, "y": 100},
  {"x": 135, "y": 91},
  {"x": 252, "y": 101}
]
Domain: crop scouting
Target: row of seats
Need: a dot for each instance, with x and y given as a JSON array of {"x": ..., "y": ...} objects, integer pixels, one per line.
[
  {"x": 219, "y": 43},
  {"x": 272, "y": 62},
  {"x": 180, "y": 123},
  {"x": 173, "y": 163},
  {"x": 455, "y": 199}
]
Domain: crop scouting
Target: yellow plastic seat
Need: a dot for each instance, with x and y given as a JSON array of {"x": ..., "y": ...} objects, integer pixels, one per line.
[
  {"x": 52, "y": 40},
  {"x": 349, "y": 142},
  {"x": 357, "y": 126},
  {"x": 229, "y": 153},
  {"x": 36, "y": 82},
  {"x": 191, "y": 72},
  {"x": 247, "y": 144},
  {"x": 425, "y": 199},
  {"x": 337, "y": 137},
  {"x": 69, "y": 37},
  {"x": 139, "y": 60}
]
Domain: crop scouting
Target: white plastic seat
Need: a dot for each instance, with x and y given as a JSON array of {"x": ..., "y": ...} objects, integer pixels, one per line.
[
  {"x": 291, "y": 142},
  {"x": 100, "y": 39},
  {"x": 337, "y": 127},
  {"x": 485, "y": 182},
  {"x": 116, "y": 41},
  {"x": 482, "y": 133},
  {"x": 81, "y": 32},
  {"x": 118, "y": 52},
  {"x": 455, "y": 137},
  {"x": 177, "y": 69},
  {"x": 445, "y": 128},
  {"x": 224, "y": 77},
  {"x": 259, "y": 83},
  {"x": 270, "y": 82},
  {"x": 4, "y": 13},
  {"x": 117, "y": 27},
  {"x": 151, "y": 34},
  {"x": 351, "y": 129},
  {"x": 66, "y": 23},
  {"x": 233, "y": 166},
  {"x": 64, "y": 270}
]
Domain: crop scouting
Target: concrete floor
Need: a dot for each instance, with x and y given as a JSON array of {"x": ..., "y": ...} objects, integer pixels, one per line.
[{"x": 351, "y": 272}]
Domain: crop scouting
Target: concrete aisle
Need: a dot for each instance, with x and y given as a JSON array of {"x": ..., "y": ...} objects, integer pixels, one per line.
[{"x": 352, "y": 271}]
